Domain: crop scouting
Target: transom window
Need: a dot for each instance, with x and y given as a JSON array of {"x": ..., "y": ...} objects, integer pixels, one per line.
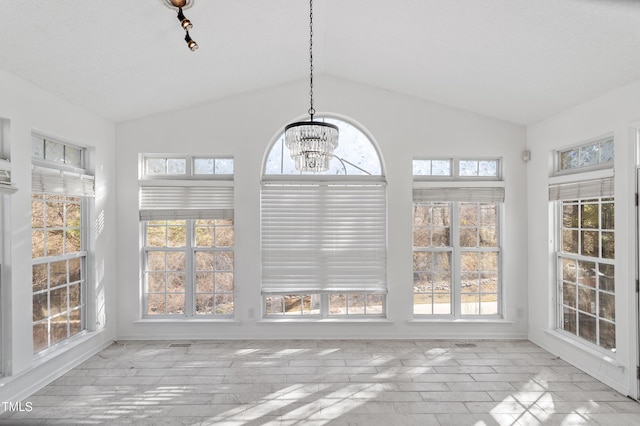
[
  {"x": 185, "y": 166},
  {"x": 456, "y": 168},
  {"x": 57, "y": 152},
  {"x": 588, "y": 156},
  {"x": 323, "y": 236}
]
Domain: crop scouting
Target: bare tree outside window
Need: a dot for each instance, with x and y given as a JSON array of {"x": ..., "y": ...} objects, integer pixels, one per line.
[
  {"x": 586, "y": 278},
  {"x": 58, "y": 268}
]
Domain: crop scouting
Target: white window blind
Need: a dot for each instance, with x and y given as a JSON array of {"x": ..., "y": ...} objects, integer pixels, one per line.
[
  {"x": 470, "y": 194},
  {"x": 46, "y": 180},
  {"x": 323, "y": 237},
  {"x": 181, "y": 200},
  {"x": 585, "y": 189},
  {"x": 6, "y": 187}
]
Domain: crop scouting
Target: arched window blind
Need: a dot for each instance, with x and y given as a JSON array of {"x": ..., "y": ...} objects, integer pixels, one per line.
[{"x": 323, "y": 237}]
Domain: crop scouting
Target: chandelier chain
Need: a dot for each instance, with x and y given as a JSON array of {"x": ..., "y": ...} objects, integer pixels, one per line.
[{"x": 312, "y": 111}]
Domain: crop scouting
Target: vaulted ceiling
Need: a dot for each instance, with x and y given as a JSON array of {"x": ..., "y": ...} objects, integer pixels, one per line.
[{"x": 516, "y": 60}]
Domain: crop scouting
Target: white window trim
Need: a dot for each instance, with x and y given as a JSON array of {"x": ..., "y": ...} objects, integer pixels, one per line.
[
  {"x": 581, "y": 169},
  {"x": 456, "y": 271},
  {"x": 324, "y": 308},
  {"x": 84, "y": 157},
  {"x": 336, "y": 118},
  {"x": 456, "y": 181},
  {"x": 189, "y": 174},
  {"x": 557, "y": 282},
  {"x": 190, "y": 250},
  {"x": 320, "y": 179},
  {"x": 86, "y": 272},
  {"x": 455, "y": 170},
  {"x": 206, "y": 197}
]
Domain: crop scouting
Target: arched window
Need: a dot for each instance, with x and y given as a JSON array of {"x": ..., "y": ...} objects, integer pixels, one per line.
[
  {"x": 355, "y": 154},
  {"x": 323, "y": 235}
]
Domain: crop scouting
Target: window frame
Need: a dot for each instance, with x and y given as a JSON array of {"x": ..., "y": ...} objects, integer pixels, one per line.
[
  {"x": 324, "y": 306},
  {"x": 190, "y": 272},
  {"x": 188, "y": 198},
  {"x": 557, "y": 154},
  {"x": 83, "y": 255},
  {"x": 456, "y": 251},
  {"x": 70, "y": 174},
  {"x": 345, "y": 125},
  {"x": 577, "y": 258},
  {"x": 46, "y": 162},
  {"x": 455, "y": 169},
  {"x": 190, "y": 169},
  {"x": 361, "y": 176}
]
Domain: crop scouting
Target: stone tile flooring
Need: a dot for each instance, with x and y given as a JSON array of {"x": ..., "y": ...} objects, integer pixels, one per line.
[{"x": 286, "y": 383}]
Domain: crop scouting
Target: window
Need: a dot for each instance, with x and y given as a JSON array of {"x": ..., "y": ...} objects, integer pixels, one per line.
[
  {"x": 188, "y": 234},
  {"x": 585, "y": 258},
  {"x": 456, "y": 168},
  {"x": 323, "y": 236},
  {"x": 589, "y": 156},
  {"x": 456, "y": 250},
  {"x": 59, "y": 211},
  {"x": 186, "y": 166},
  {"x": 56, "y": 152}
]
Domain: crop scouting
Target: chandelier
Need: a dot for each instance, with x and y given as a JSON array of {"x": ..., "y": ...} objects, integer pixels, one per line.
[{"x": 311, "y": 143}]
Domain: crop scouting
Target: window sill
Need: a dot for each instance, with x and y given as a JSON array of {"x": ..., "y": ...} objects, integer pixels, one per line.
[
  {"x": 41, "y": 359},
  {"x": 231, "y": 321},
  {"x": 601, "y": 355},
  {"x": 382, "y": 321},
  {"x": 459, "y": 321},
  {"x": 65, "y": 346}
]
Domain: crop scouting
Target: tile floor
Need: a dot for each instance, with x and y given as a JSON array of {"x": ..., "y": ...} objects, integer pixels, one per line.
[{"x": 326, "y": 382}]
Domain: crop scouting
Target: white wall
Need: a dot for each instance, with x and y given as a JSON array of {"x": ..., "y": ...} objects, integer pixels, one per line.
[
  {"x": 28, "y": 109},
  {"x": 614, "y": 112},
  {"x": 244, "y": 125}
]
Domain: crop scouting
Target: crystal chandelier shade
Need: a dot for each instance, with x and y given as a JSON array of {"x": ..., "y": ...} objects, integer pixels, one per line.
[{"x": 311, "y": 143}]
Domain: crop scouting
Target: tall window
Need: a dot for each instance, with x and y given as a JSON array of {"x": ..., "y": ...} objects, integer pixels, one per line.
[
  {"x": 585, "y": 260},
  {"x": 186, "y": 213},
  {"x": 61, "y": 192},
  {"x": 456, "y": 240},
  {"x": 323, "y": 235}
]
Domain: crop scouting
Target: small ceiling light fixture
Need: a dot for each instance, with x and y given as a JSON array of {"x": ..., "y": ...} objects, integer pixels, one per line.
[
  {"x": 192, "y": 44},
  {"x": 311, "y": 143},
  {"x": 184, "y": 22}
]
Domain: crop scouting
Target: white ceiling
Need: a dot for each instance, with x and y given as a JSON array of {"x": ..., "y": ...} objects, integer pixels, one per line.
[{"x": 517, "y": 60}]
